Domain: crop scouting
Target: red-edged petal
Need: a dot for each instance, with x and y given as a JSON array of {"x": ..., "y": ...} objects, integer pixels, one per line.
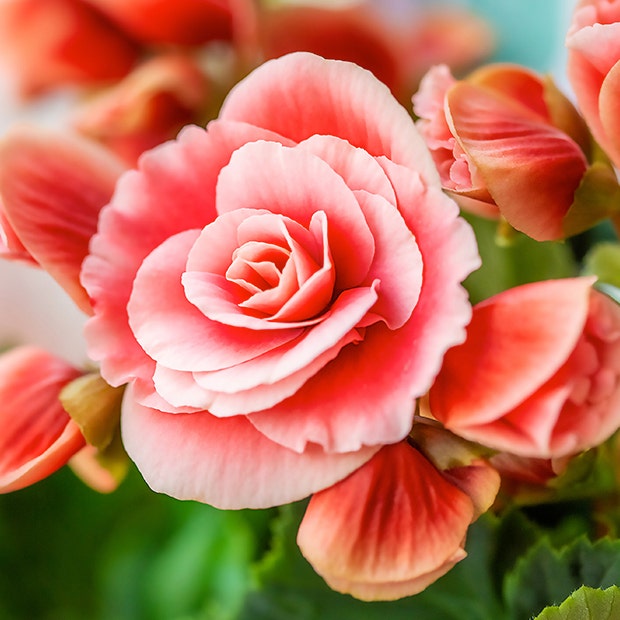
[
  {"x": 345, "y": 100},
  {"x": 38, "y": 436},
  {"x": 516, "y": 341},
  {"x": 531, "y": 169},
  {"x": 388, "y": 530},
  {"x": 53, "y": 187},
  {"x": 225, "y": 462}
]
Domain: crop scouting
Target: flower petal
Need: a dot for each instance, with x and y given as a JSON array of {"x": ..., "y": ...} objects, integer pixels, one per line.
[
  {"x": 345, "y": 99},
  {"x": 530, "y": 168},
  {"x": 225, "y": 462},
  {"x": 38, "y": 436},
  {"x": 53, "y": 187},
  {"x": 516, "y": 341},
  {"x": 388, "y": 530}
]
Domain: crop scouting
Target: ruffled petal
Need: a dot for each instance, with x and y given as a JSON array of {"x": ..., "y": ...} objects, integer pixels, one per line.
[
  {"x": 173, "y": 331},
  {"x": 225, "y": 462},
  {"x": 344, "y": 102}
]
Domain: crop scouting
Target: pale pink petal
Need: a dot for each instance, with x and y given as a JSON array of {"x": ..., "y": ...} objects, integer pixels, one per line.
[
  {"x": 344, "y": 315},
  {"x": 296, "y": 183},
  {"x": 38, "y": 436},
  {"x": 358, "y": 169},
  {"x": 220, "y": 300},
  {"x": 330, "y": 97},
  {"x": 397, "y": 261},
  {"x": 526, "y": 334},
  {"x": 182, "y": 391},
  {"x": 388, "y": 530},
  {"x": 225, "y": 462},
  {"x": 178, "y": 178},
  {"x": 173, "y": 331},
  {"x": 530, "y": 168},
  {"x": 53, "y": 186}
]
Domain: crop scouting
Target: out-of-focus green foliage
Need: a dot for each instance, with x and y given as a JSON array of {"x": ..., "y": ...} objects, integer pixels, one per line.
[{"x": 68, "y": 553}]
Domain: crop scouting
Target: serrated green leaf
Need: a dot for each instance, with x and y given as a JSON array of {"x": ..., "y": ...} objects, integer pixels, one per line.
[
  {"x": 546, "y": 576},
  {"x": 288, "y": 589},
  {"x": 586, "y": 604}
]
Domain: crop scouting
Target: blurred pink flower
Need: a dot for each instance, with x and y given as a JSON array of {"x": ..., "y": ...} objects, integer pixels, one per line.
[
  {"x": 538, "y": 375},
  {"x": 398, "y": 54},
  {"x": 180, "y": 22},
  {"x": 51, "y": 43},
  {"x": 146, "y": 108}
]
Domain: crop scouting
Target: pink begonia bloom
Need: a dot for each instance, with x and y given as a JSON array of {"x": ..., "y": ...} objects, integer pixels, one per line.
[
  {"x": 38, "y": 436},
  {"x": 505, "y": 141},
  {"x": 147, "y": 108},
  {"x": 52, "y": 187},
  {"x": 538, "y": 375},
  {"x": 396, "y": 524},
  {"x": 593, "y": 68},
  {"x": 53, "y": 43},
  {"x": 260, "y": 286}
]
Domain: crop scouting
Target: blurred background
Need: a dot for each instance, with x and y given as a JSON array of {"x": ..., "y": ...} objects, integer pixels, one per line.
[{"x": 66, "y": 551}]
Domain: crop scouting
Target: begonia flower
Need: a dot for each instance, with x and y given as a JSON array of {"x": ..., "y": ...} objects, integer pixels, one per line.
[
  {"x": 507, "y": 142},
  {"x": 593, "y": 68},
  {"x": 396, "y": 524},
  {"x": 538, "y": 375},
  {"x": 38, "y": 436},
  {"x": 246, "y": 278},
  {"x": 51, "y": 43},
  {"x": 147, "y": 108}
]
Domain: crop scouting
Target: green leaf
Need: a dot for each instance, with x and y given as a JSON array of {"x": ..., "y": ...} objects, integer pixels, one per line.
[
  {"x": 603, "y": 261},
  {"x": 586, "y": 604},
  {"x": 546, "y": 576},
  {"x": 519, "y": 261},
  {"x": 286, "y": 587}
]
